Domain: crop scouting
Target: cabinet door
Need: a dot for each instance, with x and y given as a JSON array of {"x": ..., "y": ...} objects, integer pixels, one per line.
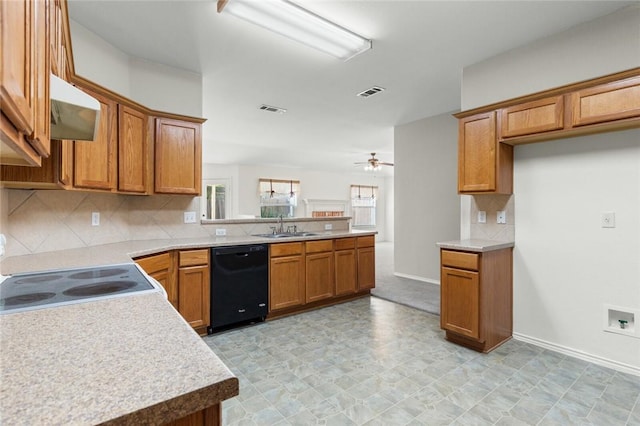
[
  {"x": 607, "y": 102},
  {"x": 178, "y": 157},
  {"x": 286, "y": 283},
  {"x": 319, "y": 276},
  {"x": 484, "y": 165},
  {"x": 346, "y": 272},
  {"x": 193, "y": 295},
  {"x": 18, "y": 66},
  {"x": 42, "y": 103},
  {"x": 161, "y": 267},
  {"x": 366, "y": 268},
  {"x": 95, "y": 161},
  {"x": 532, "y": 117},
  {"x": 132, "y": 150},
  {"x": 459, "y": 302}
]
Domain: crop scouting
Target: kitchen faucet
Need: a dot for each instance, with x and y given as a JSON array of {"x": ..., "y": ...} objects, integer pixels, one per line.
[{"x": 281, "y": 226}]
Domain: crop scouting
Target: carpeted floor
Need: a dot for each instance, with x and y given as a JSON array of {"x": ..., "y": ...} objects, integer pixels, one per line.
[{"x": 416, "y": 294}]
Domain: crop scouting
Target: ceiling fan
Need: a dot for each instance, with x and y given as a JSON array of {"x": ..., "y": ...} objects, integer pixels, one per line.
[{"x": 373, "y": 163}]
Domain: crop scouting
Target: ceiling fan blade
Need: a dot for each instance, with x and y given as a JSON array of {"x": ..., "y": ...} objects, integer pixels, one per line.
[{"x": 385, "y": 164}]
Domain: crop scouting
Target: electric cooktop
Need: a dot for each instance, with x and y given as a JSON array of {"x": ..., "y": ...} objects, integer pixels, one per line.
[{"x": 23, "y": 292}]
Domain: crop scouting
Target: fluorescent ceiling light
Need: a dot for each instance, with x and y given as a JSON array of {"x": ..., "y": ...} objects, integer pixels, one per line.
[{"x": 296, "y": 23}]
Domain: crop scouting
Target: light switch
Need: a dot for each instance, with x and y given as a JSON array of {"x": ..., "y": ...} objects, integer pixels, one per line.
[
  {"x": 608, "y": 220},
  {"x": 482, "y": 217},
  {"x": 189, "y": 217},
  {"x": 501, "y": 216}
]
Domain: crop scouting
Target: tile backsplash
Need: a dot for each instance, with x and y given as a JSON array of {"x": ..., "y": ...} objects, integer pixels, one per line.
[
  {"x": 491, "y": 230},
  {"x": 45, "y": 220},
  {"x": 36, "y": 221}
]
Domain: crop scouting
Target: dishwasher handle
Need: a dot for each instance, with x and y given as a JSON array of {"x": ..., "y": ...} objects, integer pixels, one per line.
[{"x": 240, "y": 251}]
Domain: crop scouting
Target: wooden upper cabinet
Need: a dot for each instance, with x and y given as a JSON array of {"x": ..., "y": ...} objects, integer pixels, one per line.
[
  {"x": 95, "y": 161},
  {"x": 484, "y": 165},
  {"x": 17, "y": 85},
  {"x": 42, "y": 103},
  {"x": 178, "y": 157},
  {"x": 133, "y": 150},
  {"x": 532, "y": 117},
  {"x": 607, "y": 102}
]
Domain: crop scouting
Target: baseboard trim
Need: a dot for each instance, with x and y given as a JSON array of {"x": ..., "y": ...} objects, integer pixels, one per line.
[
  {"x": 417, "y": 278},
  {"x": 609, "y": 363}
]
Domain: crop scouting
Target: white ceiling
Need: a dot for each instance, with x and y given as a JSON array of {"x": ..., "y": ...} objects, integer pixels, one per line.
[{"x": 419, "y": 51}]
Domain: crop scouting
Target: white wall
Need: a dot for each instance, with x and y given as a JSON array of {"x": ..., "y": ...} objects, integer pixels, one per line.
[
  {"x": 97, "y": 60},
  {"x": 389, "y": 209},
  {"x": 153, "y": 85},
  {"x": 426, "y": 206},
  {"x": 565, "y": 266},
  {"x": 314, "y": 184}
]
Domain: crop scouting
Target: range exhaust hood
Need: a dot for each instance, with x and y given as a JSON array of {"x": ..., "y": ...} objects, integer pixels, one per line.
[{"x": 74, "y": 114}]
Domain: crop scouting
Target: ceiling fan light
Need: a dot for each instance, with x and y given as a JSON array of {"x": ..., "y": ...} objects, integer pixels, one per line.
[{"x": 294, "y": 22}]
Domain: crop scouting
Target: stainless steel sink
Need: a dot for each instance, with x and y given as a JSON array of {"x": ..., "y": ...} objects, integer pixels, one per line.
[{"x": 286, "y": 235}]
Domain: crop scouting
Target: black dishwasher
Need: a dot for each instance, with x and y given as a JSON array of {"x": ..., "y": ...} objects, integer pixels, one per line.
[{"x": 239, "y": 285}]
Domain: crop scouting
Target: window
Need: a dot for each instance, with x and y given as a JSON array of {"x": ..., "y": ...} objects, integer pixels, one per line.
[
  {"x": 363, "y": 205},
  {"x": 278, "y": 197}
]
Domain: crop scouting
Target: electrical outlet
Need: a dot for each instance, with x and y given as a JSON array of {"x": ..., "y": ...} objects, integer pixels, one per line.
[
  {"x": 501, "y": 217},
  {"x": 328, "y": 226},
  {"x": 482, "y": 217},
  {"x": 608, "y": 220},
  {"x": 95, "y": 219},
  {"x": 189, "y": 217},
  {"x": 3, "y": 242},
  {"x": 221, "y": 232}
]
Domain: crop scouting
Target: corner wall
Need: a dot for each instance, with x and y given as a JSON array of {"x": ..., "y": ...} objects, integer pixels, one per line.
[
  {"x": 426, "y": 205},
  {"x": 565, "y": 265}
]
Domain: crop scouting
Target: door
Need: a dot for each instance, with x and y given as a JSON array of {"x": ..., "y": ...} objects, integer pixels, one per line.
[
  {"x": 477, "y": 153},
  {"x": 460, "y": 302},
  {"x": 178, "y": 157},
  {"x": 319, "y": 276},
  {"x": 346, "y": 272},
  {"x": 286, "y": 287},
  {"x": 193, "y": 295},
  {"x": 95, "y": 161},
  {"x": 132, "y": 150},
  {"x": 366, "y": 268}
]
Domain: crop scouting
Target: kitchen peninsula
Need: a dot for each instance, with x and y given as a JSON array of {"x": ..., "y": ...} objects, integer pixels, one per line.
[{"x": 127, "y": 360}]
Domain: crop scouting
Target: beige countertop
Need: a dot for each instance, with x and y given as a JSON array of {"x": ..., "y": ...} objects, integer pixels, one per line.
[
  {"x": 128, "y": 360},
  {"x": 478, "y": 246},
  {"x": 123, "y": 252}
]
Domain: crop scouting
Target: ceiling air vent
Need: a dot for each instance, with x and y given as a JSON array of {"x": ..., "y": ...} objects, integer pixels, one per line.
[
  {"x": 270, "y": 108},
  {"x": 370, "y": 92}
]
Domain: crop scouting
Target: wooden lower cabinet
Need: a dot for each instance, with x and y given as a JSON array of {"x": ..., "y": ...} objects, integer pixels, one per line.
[
  {"x": 185, "y": 276},
  {"x": 318, "y": 273},
  {"x": 319, "y": 270},
  {"x": 476, "y": 297},
  {"x": 210, "y": 416},
  {"x": 366, "y": 262},
  {"x": 194, "y": 288},
  {"x": 345, "y": 266},
  {"x": 161, "y": 267},
  {"x": 286, "y": 276}
]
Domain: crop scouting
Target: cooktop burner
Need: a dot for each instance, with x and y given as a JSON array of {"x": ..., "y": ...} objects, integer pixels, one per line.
[{"x": 46, "y": 289}]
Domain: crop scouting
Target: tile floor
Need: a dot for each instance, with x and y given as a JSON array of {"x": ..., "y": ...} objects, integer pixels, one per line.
[{"x": 375, "y": 362}]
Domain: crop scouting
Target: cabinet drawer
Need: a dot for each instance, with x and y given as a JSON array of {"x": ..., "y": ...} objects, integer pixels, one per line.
[
  {"x": 285, "y": 249},
  {"x": 155, "y": 263},
  {"x": 194, "y": 257},
  {"x": 345, "y": 243},
  {"x": 318, "y": 246},
  {"x": 460, "y": 259},
  {"x": 368, "y": 241}
]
